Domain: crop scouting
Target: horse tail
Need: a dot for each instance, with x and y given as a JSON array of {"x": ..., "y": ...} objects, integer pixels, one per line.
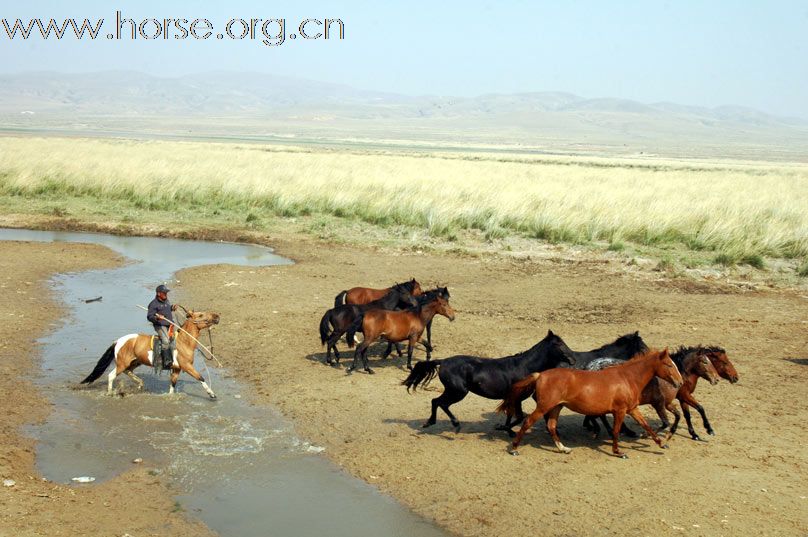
[
  {"x": 422, "y": 374},
  {"x": 102, "y": 365},
  {"x": 339, "y": 300},
  {"x": 324, "y": 326},
  {"x": 356, "y": 326},
  {"x": 519, "y": 391}
]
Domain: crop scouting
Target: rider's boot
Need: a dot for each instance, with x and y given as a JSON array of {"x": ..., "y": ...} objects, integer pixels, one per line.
[{"x": 167, "y": 358}]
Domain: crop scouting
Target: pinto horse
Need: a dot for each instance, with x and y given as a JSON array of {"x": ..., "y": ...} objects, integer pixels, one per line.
[
  {"x": 397, "y": 326},
  {"x": 363, "y": 295},
  {"x": 693, "y": 363},
  {"x": 133, "y": 350},
  {"x": 337, "y": 320},
  {"x": 489, "y": 378},
  {"x": 615, "y": 391}
]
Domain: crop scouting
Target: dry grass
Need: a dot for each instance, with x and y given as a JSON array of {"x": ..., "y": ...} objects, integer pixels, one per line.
[{"x": 740, "y": 211}]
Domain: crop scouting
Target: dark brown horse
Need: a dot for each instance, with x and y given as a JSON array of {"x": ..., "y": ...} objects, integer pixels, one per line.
[
  {"x": 692, "y": 363},
  {"x": 718, "y": 357},
  {"x": 395, "y": 326},
  {"x": 615, "y": 391},
  {"x": 363, "y": 295}
]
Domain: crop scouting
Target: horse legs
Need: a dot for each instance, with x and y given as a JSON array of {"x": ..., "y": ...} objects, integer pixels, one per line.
[
  {"x": 527, "y": 424},
  {"x": 619, "y": 416},
  {"x": 138, "y": 380},
  {"x": 638, "y": 417},
  {"x": 362, "y": 350},
  {"x": 175, "y": 374},
  {"x": 111, "y": 379},
  {"x": 660, "y": 406},
  {"x": 411, "y": 347},
  {"x": 389, "y": 350},
  {"x": 552, "y": 425},
  {"x": 695, "y": 404},
  {"x": 450, "y": 396},
  {"x": 690, "y": 429},
  {"x": 676, "y": 417},
  {"x": 189, "y": 368}
]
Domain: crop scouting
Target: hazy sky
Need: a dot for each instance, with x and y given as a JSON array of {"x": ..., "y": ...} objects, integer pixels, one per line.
[{"x": 701, "y": 53}]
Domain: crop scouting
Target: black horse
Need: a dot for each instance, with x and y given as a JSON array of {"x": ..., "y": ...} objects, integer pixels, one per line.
[
  {"x": 335, "y": 322},
  {"x": 489, "y": 378},
  {"x": 621, "y": 348}
]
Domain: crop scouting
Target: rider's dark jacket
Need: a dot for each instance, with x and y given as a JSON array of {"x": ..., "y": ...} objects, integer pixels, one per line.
[{"x": 163, "y": 308}]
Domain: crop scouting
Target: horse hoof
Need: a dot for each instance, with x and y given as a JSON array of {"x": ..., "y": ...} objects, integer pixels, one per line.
[
  {"x": 511, "y": 434},
  {"x": 212, "y": 395},
  {"x": 513, "y": 452},
  {"x": 711, "y": 432},
  {"x": 370, "y": 371},
  {"x": 664, "y": 446},
  {"x": 427, "y": 424},
  {"x": 565, "y": 451},
  {"x": 623, "y": 456},
  {"x": 456, "y": 427}
]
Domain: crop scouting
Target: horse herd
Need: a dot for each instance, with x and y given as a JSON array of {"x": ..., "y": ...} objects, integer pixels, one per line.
[{"x": 615, "y": 378}]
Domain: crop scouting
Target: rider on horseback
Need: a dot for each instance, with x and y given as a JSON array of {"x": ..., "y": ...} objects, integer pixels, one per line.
[{"x": 161, "y": 318}]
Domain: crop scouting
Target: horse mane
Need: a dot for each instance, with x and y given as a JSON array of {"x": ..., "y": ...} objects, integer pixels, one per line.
[
  {"x": 679, "y": 356},
  {"x": 625, "y": 340}
]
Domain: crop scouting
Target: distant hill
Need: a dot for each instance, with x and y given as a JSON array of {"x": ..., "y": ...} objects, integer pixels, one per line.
[{"x": 262, "y": 106}]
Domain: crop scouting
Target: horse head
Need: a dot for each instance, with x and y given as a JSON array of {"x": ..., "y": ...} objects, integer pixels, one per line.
[
  {"x": 633, "y": 343},
  {"x": 414, "y": 287},
  {"x": 203, "y": 319},
  {"x": 558, "y": 349},
  {"x": 665, "y": 368},
  {"x": 443, "y": 307},
  {"x": 704, "y": 368},
  {"x": 718, "y": 357}
]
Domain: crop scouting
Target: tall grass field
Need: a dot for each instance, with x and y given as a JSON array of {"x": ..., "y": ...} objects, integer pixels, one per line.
[{"x": 737, "y": 210}]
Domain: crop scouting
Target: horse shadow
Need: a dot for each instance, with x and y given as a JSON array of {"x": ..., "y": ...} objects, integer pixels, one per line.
[
  {"x": 798, "y": 361},
  {"x": 570, "y": 430},
  {"x": 374, "y": 355}
]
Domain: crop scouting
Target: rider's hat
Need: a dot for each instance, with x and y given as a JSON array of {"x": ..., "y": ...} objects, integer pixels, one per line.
[{"x": 162, "y": 289}]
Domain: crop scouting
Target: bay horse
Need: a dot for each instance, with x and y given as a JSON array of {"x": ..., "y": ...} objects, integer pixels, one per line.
[
  {"x": 336, "y": 321},
  {"x": 486, "y": 377},
  {"x": 395, "y": 326},
  {"x": 363, "y": 295},
  {"x": 134, "y": 350},
  {"x": 615, "y": 391},
  {"x": 693, "y": 363},
  {"x": 726, "y": 370}
]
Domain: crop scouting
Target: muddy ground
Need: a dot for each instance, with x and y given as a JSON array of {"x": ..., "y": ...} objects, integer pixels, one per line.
[
  {"x": 749, "y": 479},
  {"x": 136, "y": 503}
]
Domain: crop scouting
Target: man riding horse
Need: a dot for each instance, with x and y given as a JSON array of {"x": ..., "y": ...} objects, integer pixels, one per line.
[{"x": 161, "y": 318}]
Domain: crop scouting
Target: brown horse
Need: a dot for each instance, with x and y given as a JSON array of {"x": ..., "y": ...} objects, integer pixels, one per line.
[
  {"x": 133, "y": 350},
  {"x": 718, "y": 357},
  {"x": 615, "y": 391},
  {"x": 397, "y": 326},
  {"x": 364, "y": 295},
  {"x": 693, "y": 363}
]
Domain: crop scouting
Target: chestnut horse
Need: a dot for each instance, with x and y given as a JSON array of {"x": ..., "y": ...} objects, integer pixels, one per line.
[
  {"x": 615, "y": 391},
  {"x": 133, "y": 350},
  {"x": 693, "y": 363},
  {"x": 397, "y": 326},
  {"x": 363, "y": 295}
]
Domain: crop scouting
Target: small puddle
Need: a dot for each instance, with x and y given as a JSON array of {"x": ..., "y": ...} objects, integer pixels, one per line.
[{"x": 240, "y": 467}]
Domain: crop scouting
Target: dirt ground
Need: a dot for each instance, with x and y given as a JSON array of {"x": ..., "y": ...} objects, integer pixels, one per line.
[
  {"x": 749, "y": 479},
  {"x": 136, "y": 503}
]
